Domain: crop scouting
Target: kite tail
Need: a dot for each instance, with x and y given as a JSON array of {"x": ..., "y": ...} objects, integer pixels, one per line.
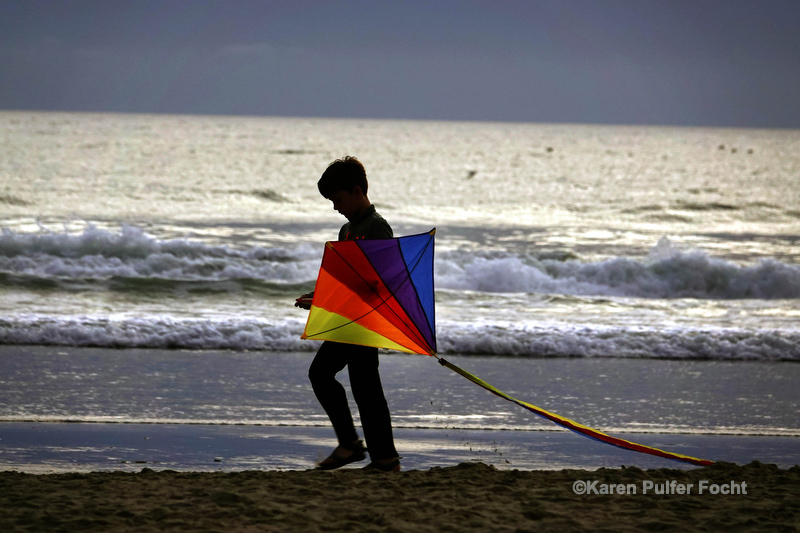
[{"x": 574, "y": 426}]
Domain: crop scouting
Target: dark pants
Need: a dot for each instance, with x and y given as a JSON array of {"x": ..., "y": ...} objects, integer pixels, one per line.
[{"x": 365, "y": 382}]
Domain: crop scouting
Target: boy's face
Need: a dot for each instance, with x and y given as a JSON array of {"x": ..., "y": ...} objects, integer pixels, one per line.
[{"x": 347, "y": 203}]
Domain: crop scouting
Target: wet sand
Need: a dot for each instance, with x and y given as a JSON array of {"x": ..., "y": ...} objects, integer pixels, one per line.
[{"x": 50, "y": 448}]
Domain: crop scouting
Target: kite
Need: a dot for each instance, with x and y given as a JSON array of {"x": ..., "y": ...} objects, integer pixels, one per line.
[
  {"x": 376, "y": 292},
  {"x": 380, "y": 293}
]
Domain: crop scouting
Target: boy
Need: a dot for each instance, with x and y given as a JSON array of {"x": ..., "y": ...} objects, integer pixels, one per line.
[{"x": 344, "y": 183}]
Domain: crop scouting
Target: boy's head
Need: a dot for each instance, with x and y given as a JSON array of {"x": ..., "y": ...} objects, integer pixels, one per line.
[
  {"x": 344, "y": 183},
  {"x": 343, "y": 175}
]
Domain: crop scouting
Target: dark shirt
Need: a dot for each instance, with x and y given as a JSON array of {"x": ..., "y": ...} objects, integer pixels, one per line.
[{"x": 367, "y": 225}]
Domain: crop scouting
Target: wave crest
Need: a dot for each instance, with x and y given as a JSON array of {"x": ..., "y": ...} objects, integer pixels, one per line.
[
  {"x": 98, "y": 254},
  {"x": 666, "y": 273}
]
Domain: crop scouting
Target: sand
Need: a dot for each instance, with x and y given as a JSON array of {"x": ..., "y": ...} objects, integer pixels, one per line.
[{"x": 466, "y": 497}]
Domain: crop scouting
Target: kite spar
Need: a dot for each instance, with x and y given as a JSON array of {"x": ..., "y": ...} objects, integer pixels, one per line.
[{"x": 380, "y": 293}]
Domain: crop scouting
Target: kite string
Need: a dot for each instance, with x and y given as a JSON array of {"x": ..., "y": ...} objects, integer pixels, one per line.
[{"x": 574, "y": 426}]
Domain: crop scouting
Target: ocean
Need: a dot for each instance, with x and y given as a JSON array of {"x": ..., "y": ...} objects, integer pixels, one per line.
[{"x": 585, "y": 268}]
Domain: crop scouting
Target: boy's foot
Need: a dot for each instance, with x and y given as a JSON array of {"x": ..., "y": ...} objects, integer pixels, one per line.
[
  {"x": 344, "y": 455},
  {"x": 385, "y": 465}
]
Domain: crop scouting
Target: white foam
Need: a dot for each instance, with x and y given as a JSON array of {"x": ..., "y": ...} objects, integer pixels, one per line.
[
  {"x": 156, "y": 332},
  {"x": 488, "y": 338},
  {"x": 558, "y": 340}
]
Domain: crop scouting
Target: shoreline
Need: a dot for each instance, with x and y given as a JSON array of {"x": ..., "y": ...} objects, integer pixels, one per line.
[{"x": 44, "y": 448}]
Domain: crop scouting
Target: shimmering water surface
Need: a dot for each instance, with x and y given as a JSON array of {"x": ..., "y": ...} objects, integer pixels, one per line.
[{"x": 674, "y": 250}]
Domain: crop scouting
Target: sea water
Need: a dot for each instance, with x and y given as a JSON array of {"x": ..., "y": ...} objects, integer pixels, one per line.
[{"x": 176, "y": 234}]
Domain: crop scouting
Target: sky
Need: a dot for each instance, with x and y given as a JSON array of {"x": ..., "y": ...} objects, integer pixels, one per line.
[{"x": 723, "y": 63}]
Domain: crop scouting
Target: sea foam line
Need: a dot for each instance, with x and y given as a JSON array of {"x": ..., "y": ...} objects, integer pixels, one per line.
[
  {"x": 525, "y": 340},
  {"x": 399, "y": 423}
]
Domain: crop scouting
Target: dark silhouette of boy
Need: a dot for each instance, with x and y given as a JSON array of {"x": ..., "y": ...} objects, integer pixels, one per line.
[{"x": 345, "y": 184}]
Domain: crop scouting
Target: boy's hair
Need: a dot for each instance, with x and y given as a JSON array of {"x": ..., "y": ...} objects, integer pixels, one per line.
[{"x": 342, "y": 175}]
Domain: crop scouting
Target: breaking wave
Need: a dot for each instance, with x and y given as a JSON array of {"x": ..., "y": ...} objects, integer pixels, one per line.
[
  {"x": 129, "y": 262},
  {"x": 665, "y": 273},
  {"x": 132, "y": 260}
]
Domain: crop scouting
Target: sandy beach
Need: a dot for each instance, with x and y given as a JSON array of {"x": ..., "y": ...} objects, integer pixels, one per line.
[{"x": 466, "y": 497}]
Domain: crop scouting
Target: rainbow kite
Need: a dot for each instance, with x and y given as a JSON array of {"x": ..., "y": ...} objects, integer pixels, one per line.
[
  {"x": 380, "y": 293},
  {"x": 376, "y": 293}
]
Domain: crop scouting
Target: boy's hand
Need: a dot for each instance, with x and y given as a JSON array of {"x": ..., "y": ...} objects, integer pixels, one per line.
[{"x": 304, "y": 302}]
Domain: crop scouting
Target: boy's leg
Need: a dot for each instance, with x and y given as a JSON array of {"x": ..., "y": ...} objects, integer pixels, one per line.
[
  {"x": 330, "y": 360},
  {"x": 376, "y": 421}
]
